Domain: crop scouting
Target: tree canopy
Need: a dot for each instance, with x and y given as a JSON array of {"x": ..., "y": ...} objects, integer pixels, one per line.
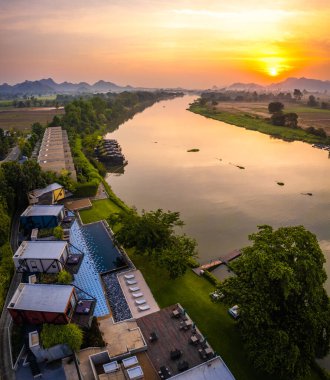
[
  {"x": 284, "y": 309},
  {"x": 153, "y": 234},
  {"x": 275, "y": 107}
]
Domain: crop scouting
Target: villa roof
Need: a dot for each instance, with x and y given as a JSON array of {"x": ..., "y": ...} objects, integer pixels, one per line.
[
  {"x": 41, "y": 297},
  {"x": 43, "y": 210},
  {"x": 41, "y": 249},
  {"x": 213, "y": 369},
  {"x": 47, "y": 189}
]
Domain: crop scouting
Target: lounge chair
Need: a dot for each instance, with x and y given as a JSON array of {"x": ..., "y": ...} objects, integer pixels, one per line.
[
  {"x": 131, "y": 282},
  {"x": 129, "y": 276},
  {"x": 137, "y": 294},
  {"x": 134, "y": 288},
  {"x": 140, "y": 302},
  {"x": 143, "y": 307}
]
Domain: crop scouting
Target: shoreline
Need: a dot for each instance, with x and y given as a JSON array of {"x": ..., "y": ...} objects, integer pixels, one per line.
[{"x": 251, "y": 122}]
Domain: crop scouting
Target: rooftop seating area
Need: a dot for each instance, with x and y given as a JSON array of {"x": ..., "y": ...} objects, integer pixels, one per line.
[{"x": 174, "y": 342}]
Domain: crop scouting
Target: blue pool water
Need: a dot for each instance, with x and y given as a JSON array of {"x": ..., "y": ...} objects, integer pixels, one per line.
[
  {"x": 88, "y": 277},
  {"x": 104, "y": 253}
]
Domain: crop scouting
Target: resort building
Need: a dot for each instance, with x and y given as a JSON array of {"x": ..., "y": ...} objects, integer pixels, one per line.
[
  {"x": 49, "y": 303},
  {"x": 44, "y": 256},
  {"x": 55, "y": 153},
  {"x": 48, "y": 195},
  {"x": 42, "y": 216}
]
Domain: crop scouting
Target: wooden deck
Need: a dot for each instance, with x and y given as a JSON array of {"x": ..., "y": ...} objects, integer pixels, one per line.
[
  {"x": 170, "y": 337},
  {"x": 211, "y": 265}
]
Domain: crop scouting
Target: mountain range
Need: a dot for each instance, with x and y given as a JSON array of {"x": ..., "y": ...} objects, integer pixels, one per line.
[
  {"x": 48, "y": 86},
  {"x": 289, "y": 84}
]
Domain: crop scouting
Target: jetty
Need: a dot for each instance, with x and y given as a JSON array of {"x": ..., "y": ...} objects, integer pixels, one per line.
[{"x": 212, "y": 264}]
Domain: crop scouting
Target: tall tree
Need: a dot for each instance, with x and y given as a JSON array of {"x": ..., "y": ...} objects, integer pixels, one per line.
[
  {"x": 297, "y": 94},
  {"x": 275, "y": 107},
  {"x": 284, "y": 309},
  {"x": 153, "y": 234}
]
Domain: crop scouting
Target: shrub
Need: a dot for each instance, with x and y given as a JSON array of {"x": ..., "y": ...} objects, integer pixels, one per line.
[
  {"x": 70, "y": 334},
  {"x": 211, "y": 278},
  {"x": 64, "y": 277},
  {"x": 87, "y": 189},
  {"x": 58, "y": 232}
]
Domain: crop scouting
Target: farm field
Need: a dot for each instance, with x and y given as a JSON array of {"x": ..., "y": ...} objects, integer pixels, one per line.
[
  {"x": 22, "y": 118},
  {"x": 308, "y": 116}
]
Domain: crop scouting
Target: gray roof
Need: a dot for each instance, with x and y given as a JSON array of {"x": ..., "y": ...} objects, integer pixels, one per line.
[
  {"x": 213, "y": 369},
  {"x": 41, "y": 297},
  {"x": 43, "y": 210},
  {"x": 47, "y": 189},
  {"x": 41, "y": 249}
]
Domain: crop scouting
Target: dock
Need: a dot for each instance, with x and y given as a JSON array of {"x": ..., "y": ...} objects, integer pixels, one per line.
[{"x": 212, "y": 264}]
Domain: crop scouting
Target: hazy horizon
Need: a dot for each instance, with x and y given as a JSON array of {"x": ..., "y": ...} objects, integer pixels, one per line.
[{"x": 164, "y": 44}]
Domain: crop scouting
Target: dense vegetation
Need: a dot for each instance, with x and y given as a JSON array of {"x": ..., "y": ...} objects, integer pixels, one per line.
[
  {"x": 152, "y": 234},
  {"x": 70, "y": 334},
  {"x": 284, "y": 309},
  {"x": 15, "y": 181}
]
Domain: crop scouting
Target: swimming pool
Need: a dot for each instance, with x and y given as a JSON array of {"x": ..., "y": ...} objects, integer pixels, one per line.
[
  {"x": 88, "y": 278},
  {"x": 104, "y": 253}
]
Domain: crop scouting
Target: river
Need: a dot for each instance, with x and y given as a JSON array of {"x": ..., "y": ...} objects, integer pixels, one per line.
[{"x": 220, "y": 203}]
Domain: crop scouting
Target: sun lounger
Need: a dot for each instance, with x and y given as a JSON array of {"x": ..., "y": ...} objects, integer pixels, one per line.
[
  {"x": 129, "y": 276},
  {"x": 143, "y": 307},
  {"x": 137, "y": 294},
  {"x": 140, "y": 302},
  {"x": 131, "y": 282},
  {"x": 134, "y": 288}
]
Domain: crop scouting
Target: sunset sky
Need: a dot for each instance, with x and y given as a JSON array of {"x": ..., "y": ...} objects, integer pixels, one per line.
[{"x": 164, "y": 42}]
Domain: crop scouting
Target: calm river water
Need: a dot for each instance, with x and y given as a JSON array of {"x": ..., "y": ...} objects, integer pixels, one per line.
[{"x": 220, "y": 203}]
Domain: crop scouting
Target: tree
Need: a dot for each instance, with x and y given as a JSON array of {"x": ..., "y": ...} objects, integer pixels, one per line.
[
  {"x": 70, "y": 334},
  {"x": 291, "y": 120},
  {"x": 153, "y": 234},
  {"x": 297, "y": 94},
  {"x": 284, "y": 309},
  {"x": 275, "y": 107},
  {"x": 278, "y": 119},
  {"x": 312, "y": 101}
]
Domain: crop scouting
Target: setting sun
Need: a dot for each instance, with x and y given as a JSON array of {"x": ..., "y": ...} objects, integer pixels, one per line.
[{"x": 273, "y": 71}]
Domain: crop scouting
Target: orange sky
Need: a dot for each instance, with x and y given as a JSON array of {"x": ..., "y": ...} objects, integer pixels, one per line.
[{"x": 164, "y": 42}]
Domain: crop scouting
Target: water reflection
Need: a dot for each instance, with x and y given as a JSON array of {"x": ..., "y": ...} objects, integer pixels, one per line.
[{"x": 220, "y": 203}]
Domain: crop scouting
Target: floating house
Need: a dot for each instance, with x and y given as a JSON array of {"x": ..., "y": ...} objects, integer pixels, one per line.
[
  {"x": 48, "y": 303},
  {"x": 48, "y": 195},
  {"x": 42, "y": 216},
  {"x": 42, "y": 256}
]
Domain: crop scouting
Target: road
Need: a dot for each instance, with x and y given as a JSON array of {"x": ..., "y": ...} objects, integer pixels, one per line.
[{"x": 6, "y": 372}]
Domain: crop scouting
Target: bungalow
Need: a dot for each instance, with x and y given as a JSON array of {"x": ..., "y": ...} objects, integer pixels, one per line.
[
  {"x": 43, "y": 303},
  {"x": 42, "y": 216},
  {"x": 48, "y": 195},
  {"x": 42, "y": 256}
]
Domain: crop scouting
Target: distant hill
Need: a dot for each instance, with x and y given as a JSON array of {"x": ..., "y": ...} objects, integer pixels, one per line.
[
  {"x": 313, "y": 85},
  {"x": 48, "y": 87},
  {"x": 289, "y": 84},
  {"x": 245, "y": 87}
]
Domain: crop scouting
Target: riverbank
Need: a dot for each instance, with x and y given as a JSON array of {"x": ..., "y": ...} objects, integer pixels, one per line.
[{"x": 256, "y": 123}]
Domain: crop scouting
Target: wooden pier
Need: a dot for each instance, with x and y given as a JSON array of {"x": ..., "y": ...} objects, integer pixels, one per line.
[{"x": 212, "y": 264}]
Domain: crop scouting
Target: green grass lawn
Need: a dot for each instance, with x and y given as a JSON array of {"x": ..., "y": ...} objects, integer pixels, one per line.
[
  {"x": 101, "y": 210},
  {"x": 250, "y": 122}
]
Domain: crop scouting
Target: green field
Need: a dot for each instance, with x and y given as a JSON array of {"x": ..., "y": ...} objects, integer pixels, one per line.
[
  {"x": 254, "y": 123},
  {"x": 101, "y": 210}
]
